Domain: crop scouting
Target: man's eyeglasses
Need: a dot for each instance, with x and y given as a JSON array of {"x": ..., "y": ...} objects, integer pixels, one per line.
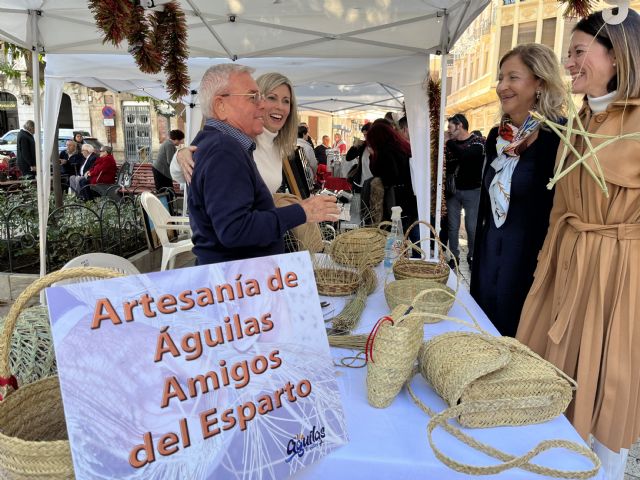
[{"x": 255, "y": 97}]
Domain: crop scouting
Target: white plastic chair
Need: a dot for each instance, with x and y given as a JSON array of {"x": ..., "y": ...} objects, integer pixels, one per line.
[
  {"x": 163, "y": 221},
  {"x": 98, "y": 259}
]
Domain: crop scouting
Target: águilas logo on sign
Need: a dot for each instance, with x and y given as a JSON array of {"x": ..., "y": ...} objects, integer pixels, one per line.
[{"x": 301, "y": 443}]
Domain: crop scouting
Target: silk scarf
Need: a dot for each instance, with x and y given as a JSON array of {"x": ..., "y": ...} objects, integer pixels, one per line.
[{"x": 511, "y": 142}]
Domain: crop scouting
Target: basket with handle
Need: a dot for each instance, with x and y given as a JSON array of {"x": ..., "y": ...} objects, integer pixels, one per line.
[
  {"x": 33, "y": 434},
  {"x": 405, "y": 267}
]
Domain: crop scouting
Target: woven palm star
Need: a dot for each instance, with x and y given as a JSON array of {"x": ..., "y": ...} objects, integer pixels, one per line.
[{"x": 565, "y": 133}]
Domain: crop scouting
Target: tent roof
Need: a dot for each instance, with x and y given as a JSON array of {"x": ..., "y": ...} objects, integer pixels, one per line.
[{"x": 239, "y": 29}]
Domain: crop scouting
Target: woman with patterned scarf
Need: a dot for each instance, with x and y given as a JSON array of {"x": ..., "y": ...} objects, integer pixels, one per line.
[{"x": 513, "y": 215}]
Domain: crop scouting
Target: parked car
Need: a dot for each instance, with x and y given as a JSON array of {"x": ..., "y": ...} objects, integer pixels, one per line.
[{"x": 8, "y": 141}]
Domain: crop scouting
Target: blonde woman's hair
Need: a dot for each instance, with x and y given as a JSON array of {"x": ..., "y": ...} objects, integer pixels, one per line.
[
  {"x": 288, "y": 134},
  {"x": 624, "y": 40},
  {"x": 542, "y": 62}
]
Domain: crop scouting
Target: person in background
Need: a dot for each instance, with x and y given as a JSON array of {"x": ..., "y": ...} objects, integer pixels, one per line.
[
  {"x": 309, "y": 139},
  {"x": 321, "y": 150},
  {"x": 339, "y": 144},
  {"x": 465, "y": 157},
  {"x": 362, "y": 172},
  {"x": 303, "y": 142},
  {"x": 403, "y": 127},
  {"x": 70, "y": 161},
  {"x": 89, "y": 155},
  {"x": 161, "y": 165},
  {"x": 232, "y": 212},
  {"x": 390, "y": 154},
  {"x": 582, "y": 311},
  {"x": 515, "y": 202},
  {"x": 102, "y": 171},
  {"x": 79, "y": 139},
  {"x": 26, "y": 150}
]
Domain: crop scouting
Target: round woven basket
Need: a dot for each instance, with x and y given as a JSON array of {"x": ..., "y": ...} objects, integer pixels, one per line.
[
  {"x": 425, "y": 296},
  {"x": 359, "y": 247},
  {"x": 336, "y": 282},
  {"x": 405, "y": 267},
  {"x": 33, "y": 436}
]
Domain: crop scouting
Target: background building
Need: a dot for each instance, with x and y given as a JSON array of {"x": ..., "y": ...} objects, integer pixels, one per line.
[{"x": 472, "y": 68}]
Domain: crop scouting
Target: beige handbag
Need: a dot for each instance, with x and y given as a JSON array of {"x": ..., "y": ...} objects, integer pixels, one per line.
[{"x": 492, "y": 381}]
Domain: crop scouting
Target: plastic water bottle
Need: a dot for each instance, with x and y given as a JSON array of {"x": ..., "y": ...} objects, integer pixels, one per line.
[{"x": 395, "y": 239}]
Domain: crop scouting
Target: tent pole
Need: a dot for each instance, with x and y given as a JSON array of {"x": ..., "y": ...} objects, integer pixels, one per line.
[
  {"x": 443, "y": 103},
  {"x": 41, "y": 178}
]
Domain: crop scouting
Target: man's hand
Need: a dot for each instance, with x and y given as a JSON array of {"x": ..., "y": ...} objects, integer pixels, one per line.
[
  {"x": 185, "y": 160},
  {"x": 321, "y": 208}
]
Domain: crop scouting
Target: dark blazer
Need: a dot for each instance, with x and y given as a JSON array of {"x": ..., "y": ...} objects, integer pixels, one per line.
[
  {"x": 88, "y": 163},
  {"x": 505, "y": 258},
  {"x": 392, "y": 166},
  {"x": 26, "y": 152}
]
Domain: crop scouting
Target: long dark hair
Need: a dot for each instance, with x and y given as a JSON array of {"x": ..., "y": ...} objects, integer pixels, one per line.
[
  {"x": 624, "y": 40},
  {"x": 382, "y": 134}
]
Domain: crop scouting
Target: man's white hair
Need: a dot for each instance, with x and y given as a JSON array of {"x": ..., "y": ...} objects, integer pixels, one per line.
[{"x": 215, "y": 81}]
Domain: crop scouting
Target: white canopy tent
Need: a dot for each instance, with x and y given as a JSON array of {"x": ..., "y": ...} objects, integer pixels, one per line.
[{"x": 344, "y": 42}]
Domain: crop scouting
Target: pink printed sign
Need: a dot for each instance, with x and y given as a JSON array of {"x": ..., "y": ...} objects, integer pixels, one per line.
[{"x": 219, "y": 371}]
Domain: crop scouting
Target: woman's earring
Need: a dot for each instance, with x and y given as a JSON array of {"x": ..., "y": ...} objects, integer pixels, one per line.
[
  {"x": 538, "y": 93},
  {"x": 613, "y": 64}
]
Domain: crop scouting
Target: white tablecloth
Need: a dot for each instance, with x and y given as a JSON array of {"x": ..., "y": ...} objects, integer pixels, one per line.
[{"x": 392, "y": 443}]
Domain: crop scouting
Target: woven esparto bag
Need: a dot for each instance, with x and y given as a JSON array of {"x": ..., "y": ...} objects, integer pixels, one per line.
[
  {"x": 492, "y": 381},
  {"x": 392, "y": 349},
  {"x": 33, "y": 434}
]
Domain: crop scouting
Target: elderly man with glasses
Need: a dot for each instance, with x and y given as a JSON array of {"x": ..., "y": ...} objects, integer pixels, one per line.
[
  {"x": 78, "y": 181},
  {"x": 231, "y": 209}
]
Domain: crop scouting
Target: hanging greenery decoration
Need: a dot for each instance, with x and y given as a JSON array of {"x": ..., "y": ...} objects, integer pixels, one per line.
[
  {"x": 141, "y": 44},
  {"x": 112, "y": 17},
  {"x": 577, "y": 8},
  {"x": 433, "y": 91},
  {"x": 157, "y": 41},
  {"x": 171, "y": 37}
]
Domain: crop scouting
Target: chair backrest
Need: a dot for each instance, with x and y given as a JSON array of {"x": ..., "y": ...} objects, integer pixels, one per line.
[
  {"x": 99, "y": 259},
  {"x": 157, "y": 213}
]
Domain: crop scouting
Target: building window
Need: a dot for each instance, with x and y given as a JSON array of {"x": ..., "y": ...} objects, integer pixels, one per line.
[
  {"x": 566, "y": 38},
  {"x": 526, "y": 33},
  {"x": 548, "y": 32},
  {"x": 506, "y": 33},
  {"x": 508, "y": 2},
  {"x": 449, "y": 85}
]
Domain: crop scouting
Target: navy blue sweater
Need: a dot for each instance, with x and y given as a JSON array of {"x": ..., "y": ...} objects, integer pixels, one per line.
[{"x": 231, "y": 210}]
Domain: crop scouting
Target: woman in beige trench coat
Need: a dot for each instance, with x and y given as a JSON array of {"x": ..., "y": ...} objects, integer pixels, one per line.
[{"x": 583, "y": 307}]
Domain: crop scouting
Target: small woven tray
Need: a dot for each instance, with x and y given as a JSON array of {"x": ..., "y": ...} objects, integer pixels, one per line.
[{"x": 336, "y": 282}]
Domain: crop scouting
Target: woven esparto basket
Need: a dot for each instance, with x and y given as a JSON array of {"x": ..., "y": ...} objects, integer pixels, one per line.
[
  {"x": 359, "y": 247},
  {"x": 33, "y": 434},
  {"x": 405, "y": 267},
  {"x": 393, "y": 347},
  {"x": 31, "y": 354},
  {"x": 426, "y": 296},
  {"x": 336, "y": 282}
]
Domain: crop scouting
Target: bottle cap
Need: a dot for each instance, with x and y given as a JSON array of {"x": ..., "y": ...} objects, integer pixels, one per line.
[{"x": 396, "y": 213}]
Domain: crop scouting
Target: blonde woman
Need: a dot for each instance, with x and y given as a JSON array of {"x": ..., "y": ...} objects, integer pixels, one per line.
[{"x": 513, "y": 215}]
